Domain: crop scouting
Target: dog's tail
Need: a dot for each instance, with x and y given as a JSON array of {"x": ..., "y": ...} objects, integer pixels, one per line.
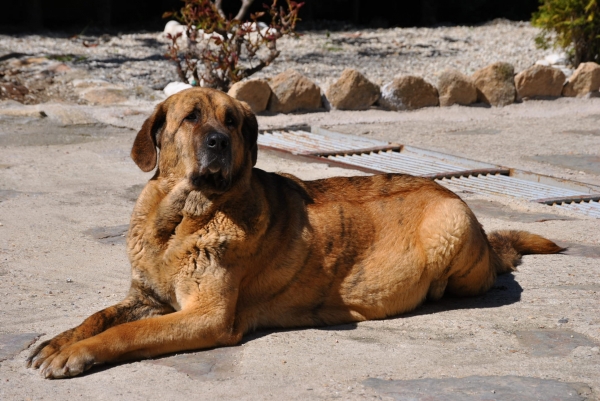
[{"x": 510, "y": 245}]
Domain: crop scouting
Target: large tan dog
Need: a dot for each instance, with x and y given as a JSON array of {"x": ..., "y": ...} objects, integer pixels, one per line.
[{"x": 219, "y": 248}]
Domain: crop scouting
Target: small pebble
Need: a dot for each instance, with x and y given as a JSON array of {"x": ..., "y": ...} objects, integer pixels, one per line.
[
  {"x": 69, "y": 280},
  {"x": 563, "y": 320}
]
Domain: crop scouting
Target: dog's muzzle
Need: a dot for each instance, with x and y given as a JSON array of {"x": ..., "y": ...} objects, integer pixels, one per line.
[{"x": 215, "y": 163}]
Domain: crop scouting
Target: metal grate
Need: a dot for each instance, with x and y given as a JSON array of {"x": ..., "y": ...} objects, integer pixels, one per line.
[
  {"x": 303, "y": 142},
  {"x": 392, "y": 162},
  {"x": 591, "y": 208},
  {"x": 456, "y": 173},
  {"x": 401, "y": 162},
  {"x": 509, "y": 186}
]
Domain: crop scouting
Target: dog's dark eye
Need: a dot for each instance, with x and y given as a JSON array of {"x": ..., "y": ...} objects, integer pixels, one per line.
[
  {"x": 192, "y": 117},
  {"x": 229, "y": 121}
]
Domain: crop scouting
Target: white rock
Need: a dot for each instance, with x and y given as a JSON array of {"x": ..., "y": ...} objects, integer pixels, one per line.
[
  {"x": 173, "y": 28},
  {"x": 174, "y": 87},
  {"x": 557, "y": 58},
  {"x": 389, "y": 100}
]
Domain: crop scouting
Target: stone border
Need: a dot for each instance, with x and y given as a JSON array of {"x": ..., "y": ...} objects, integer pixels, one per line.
[{"x": 494, "y": 85}]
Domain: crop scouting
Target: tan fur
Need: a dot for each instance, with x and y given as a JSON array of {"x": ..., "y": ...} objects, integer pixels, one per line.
[{"x": 215, "y": 255}]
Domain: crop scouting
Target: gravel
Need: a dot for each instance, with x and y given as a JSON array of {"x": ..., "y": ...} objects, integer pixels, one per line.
[{"x": 137, "y": 59}]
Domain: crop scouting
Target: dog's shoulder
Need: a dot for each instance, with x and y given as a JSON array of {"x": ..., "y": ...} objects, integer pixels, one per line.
[
  {"x": 282, "y": 185},
  {"x": 362, "y": 188}
]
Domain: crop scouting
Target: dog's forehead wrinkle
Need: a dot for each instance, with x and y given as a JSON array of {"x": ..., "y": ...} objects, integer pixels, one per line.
[{"x": 229, "y": 111}]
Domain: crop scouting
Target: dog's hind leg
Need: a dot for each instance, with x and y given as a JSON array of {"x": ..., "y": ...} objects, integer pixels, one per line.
[
  {"x": 437, "y": 289},
  {"x": 458, "y": 254},
  {"x": 481, "y": 260}
]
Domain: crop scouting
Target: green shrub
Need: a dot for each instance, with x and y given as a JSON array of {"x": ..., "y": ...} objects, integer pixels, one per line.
[{"x": 573, "y": 25}]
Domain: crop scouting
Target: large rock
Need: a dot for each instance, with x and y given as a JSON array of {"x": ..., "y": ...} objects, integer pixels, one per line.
[
  {"x": 255, "y": 92},
  {"x": 100, "y": 92},
  {"x": 496, "y": 84},
  {"x": 97, "y": 91},
  {"x": 352, "y": 91},
  {"x": 408, "y": 93},
  {"x": 585, "y": 79},
  {"x": 539, "y": 81},
  {"x": 456, "y": 88},
  {"x": 293, "y": 91}
]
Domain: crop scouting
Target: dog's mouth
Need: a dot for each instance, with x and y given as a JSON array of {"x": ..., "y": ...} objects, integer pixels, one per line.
[
  {"x": 212, "y": 178},
  {"x": 217, "y": 180}
]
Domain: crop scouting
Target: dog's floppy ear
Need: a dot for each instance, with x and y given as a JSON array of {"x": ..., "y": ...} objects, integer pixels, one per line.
[
  {"x": 250, "y": 131},
  {"x": 144, "y": 147}
]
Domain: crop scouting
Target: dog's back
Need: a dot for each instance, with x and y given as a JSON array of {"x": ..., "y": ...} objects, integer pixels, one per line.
[{"x": 357, "y": 248}]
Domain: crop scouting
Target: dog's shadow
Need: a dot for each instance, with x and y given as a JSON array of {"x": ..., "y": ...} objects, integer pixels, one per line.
[{"x": 505, "y": 291}]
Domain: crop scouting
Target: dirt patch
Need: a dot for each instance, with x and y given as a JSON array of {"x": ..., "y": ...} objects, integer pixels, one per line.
[
  {"x": 214, "y": 364},
  {"x": 544, "y": 343},
  {"x": 109, "y": 235},
  {"x": 12, "y": 344},
  {"x": 42, "y": 132}
]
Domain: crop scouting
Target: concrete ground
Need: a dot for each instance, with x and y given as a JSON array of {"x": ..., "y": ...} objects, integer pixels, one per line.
[{"x": 67, "y": 188}]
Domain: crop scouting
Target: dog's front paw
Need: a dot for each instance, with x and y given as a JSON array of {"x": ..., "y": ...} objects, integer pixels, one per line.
[
  {"x": 71, "y": 361},
  {"x": 41, "y": 353},
  {"x": 50, "y": 347}
]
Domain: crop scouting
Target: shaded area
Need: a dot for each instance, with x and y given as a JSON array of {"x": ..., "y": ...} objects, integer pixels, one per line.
[
  {"x": 209, "y": 365},
  {"x": 12, "y": 344},
  {"x": 109, "y": 235},
  {"x": 543, "y": 343},
  {"x": 6, "y": 194},
  {"x": 476, "y": 388},
  {"x": 61, "y": 14},
  {"x": 587, "y": 163},
  {"x": 487, "y": 208},
  {"x": 506, "y": 291},
  {"x": 133, "y": 192}
]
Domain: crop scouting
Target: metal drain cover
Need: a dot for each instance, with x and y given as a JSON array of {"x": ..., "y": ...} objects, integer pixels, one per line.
[{"x": 456, "y": 173}]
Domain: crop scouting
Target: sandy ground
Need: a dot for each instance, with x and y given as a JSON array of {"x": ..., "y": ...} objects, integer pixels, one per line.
[{"x": 67, "y": 188}]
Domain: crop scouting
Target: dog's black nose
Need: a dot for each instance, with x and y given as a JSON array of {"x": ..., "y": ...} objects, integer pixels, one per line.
[{"x": 217, "y": 141}]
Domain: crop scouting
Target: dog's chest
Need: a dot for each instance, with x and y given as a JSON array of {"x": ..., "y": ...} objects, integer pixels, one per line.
[{"x": 193, "y": 259}]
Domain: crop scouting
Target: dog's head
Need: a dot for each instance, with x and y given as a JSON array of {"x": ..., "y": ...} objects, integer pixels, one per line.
[{"x": 203, "y": 135}]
